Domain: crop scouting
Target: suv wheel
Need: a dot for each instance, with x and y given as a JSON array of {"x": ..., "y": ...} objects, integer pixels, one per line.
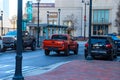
[
  {"x": 85, "y": 54},
  {"x": 47, "y": 52},
  {"x": 111, "y": 57},
  {"x": 33, "y": 46}
]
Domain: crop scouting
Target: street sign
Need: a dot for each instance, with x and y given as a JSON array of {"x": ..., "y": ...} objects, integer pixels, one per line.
[{"x": 29, "y": 10}]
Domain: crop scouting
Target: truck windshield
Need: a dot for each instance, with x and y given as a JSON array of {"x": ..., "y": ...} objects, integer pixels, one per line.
[
  {"x": 14, "y": 33},
  {"x": 59, "y": 37}
]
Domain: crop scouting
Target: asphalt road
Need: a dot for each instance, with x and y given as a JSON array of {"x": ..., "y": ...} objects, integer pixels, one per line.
[{"x": 34, "y": 60}]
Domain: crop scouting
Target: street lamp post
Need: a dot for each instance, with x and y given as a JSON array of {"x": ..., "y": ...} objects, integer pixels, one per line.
[
  {"x": 89, "y": 41},
  {"x": 38, "y": 28},
  {"x": 85, "y": 23},
  {"x": 18, "y": 67},
  {"x": 85, "y": 18},
  {"x": 1, "y": 22}
]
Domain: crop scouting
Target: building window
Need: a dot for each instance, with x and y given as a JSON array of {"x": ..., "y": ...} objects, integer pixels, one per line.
[
  {"x": 100, "y": 29},
  {"x": 101, "y": 16},
  {"x": 67, "y": 23},
  {"x": 100, "y": 21},
  {"x": 53, "y": 22}
]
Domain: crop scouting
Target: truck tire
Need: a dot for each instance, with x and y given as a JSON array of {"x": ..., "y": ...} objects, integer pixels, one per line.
[
  {"x": 76, "y": 50},
  {"x": 33, "y": 46},
  {"x": 66, "y": 52},
  {"x": 3, "y": 50},
  {"x": 47, "y": 52}
]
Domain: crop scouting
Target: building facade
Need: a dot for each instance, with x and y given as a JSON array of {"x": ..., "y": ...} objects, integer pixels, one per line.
[
  {"x": 6, "y": 23},
  {"x": 75, "y": 15}
]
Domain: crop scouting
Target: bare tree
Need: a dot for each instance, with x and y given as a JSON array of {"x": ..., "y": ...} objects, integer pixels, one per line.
[
  {"x": 73, "y": 20},
  {"x": 117, "y": 20},
  {"x": 13, "y": 21}
]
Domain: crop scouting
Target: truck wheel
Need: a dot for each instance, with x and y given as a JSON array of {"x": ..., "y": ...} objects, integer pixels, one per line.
[
  {"x": 58, "y": 52},
  {"x": 33, "y": 46},
  {"x": 3, "y": 50},
  {"x": 47, "y": 52},
  {"x": 76, "y": 50},
  {"x": 66, "y": 52}
]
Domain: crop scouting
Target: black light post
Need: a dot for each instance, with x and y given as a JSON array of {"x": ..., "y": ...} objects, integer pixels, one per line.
[
  {"x": 89, "y": 41},
  {"x": 18, "y": 68},
  {"x": 1, "y": 22},
  {"x": 38, "y": 28}
]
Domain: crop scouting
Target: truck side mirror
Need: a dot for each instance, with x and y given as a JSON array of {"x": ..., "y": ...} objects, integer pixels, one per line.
[{"x": 26, "y": 34}]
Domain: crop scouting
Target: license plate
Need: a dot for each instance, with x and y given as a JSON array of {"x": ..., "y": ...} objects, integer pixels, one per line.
[
  {"x": 51, "y": 48},
  {"x": 99, "y": 52}
]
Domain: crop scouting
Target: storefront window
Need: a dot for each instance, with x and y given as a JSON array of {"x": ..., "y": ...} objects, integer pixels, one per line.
[{"x": 100, "y": 29}]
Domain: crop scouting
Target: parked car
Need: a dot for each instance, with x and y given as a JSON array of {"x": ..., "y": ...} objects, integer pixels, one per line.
[
  {"x": 101, "y": 46},
  {"x": 1, "y": 44},
  {"x": 116, "y": 40},
  {"x": 60, "y": 42},
  {"x": 10, "y": 40}
]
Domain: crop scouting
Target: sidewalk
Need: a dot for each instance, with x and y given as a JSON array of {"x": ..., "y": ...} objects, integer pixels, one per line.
[{"x": 82, "y": 70}]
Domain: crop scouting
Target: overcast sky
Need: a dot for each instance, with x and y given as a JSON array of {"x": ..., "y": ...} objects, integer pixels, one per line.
[{"x": 13, "y": 6}]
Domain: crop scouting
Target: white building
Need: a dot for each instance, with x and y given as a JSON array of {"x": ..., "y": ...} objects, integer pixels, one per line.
[
  {"x": 72, "y": 14},
  {"x": 5, "y": 8}
]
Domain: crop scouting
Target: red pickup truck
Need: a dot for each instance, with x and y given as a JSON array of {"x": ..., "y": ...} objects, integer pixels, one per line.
[{"x": 60, "y": 43}]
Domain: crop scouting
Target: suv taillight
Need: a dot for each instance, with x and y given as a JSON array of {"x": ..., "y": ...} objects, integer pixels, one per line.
[
  {"x": 86, "y": 45},
  {"x": 108, "y": 46}
]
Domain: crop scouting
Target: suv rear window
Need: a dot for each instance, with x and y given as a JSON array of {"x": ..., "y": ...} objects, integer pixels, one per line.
[{"x": 102, "y": 40}]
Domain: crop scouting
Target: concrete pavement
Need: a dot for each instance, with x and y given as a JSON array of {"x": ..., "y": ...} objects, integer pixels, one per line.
[{"x": 82, "y": 70}]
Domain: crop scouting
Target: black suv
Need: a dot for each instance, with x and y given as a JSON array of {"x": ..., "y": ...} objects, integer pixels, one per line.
[
  {"x": 101, "y": 46},
  {"x": 116, "y": 39},
  {"x": 117, "y": 42}
]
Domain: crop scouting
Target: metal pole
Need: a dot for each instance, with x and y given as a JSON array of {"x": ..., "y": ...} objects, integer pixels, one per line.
[
  {"x": 59, "y": 16},
  {"x": 90, "y": 21},
  {"x": 1, "y": 23},
  {"x": 48, "y": 17},
  {"x": 85, "y": 23},
  {"x": 59, "y": 20},
  {"x": 38, "y": 29},
  {"x": 18, "y": 68}
]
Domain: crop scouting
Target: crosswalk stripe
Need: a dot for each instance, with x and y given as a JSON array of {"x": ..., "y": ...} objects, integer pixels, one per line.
[
  {"x": 24, "y": 69},
  {"x": 3, "y": 66}
]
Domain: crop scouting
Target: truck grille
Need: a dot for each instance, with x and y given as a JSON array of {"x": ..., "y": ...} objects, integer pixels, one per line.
[{"x": 8, "y": 39}]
